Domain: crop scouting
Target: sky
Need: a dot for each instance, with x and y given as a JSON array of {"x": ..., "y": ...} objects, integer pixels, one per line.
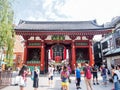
[{"x": 66, "y": 10}]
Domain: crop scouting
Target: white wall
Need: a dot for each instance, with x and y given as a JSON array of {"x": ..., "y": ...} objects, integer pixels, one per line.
[{"x": 110, "y": 60}]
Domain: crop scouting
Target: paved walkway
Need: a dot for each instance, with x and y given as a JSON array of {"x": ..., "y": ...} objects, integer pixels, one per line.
[{"x": 43, "y": 84}]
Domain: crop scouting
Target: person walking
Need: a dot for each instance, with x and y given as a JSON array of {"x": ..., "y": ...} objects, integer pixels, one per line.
[
  {"x": 104, "y": 75},
  {"x": 69, "y": 69},
  {"x": 23, "y": 77},
  {"x": 78, "y": 77},
  {"x": 95, "y": 74},
  {"x": 116, "y": 78},
  {"x": 50, "y": 75},
  {"x": 35, "y": 75},
  {"x": 112, "y": 74},
  {"x": 69, "y": 72},
  {"x": 64, "y": 78},
  {"x": 87, "y": 76}
]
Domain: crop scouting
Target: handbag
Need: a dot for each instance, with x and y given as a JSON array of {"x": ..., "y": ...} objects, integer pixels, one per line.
[
  {"x": 21, "y": 81},
  {"x": 32, "y": 76}
]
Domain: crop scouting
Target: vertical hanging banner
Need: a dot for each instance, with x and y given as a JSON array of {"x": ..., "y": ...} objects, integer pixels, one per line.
[
  {"x": 67, "y": 54},
  {"x": 51, "y": 53},
  {"x": 64, "y": 53},
  {"x": 49, "y": 56}
]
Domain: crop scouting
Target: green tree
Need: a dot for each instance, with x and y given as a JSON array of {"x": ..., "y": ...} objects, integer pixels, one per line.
[{"x": 6, "y": 29}]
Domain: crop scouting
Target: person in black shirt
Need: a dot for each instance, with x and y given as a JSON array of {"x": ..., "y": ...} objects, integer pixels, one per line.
[
  {"x": 35, "y": 78},
  {"x": 95, "y": 74}
]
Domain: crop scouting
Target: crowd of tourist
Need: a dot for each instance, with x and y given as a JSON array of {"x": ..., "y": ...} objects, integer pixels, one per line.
[{"x": 65, "y": 72}]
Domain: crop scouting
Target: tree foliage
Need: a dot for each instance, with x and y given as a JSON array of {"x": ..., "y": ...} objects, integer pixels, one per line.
[{"x": 6, "y": 29}]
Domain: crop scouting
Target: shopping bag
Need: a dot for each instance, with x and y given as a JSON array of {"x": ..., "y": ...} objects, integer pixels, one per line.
[{"x": 16, "y": 80}]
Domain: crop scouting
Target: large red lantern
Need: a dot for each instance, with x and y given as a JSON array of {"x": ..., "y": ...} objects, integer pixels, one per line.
[{"x": 58, "y": 59}]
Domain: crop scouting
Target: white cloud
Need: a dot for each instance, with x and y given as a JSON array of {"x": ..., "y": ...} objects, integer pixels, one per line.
[
  {"x": 101, "y": 10},
  {"x": 31, "y": 18},
  {"x": 76, "y": 10}
]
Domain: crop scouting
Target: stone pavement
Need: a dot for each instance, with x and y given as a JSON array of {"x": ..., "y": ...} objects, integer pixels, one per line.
[{"x": 43, "y": 84}]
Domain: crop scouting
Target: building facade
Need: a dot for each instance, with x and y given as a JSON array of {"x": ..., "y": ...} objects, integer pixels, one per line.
[
  {"x": 113, "y": 54},
  {"x": 58, "y": 41}
]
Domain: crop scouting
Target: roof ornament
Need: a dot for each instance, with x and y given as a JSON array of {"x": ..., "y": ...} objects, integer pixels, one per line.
[{"x": 21, "y": 21}]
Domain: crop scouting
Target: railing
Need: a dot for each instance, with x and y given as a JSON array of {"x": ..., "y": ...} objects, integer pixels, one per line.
[{"x": 5, "y": 78}]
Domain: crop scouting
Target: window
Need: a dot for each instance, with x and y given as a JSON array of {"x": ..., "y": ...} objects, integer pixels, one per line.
[
  {"x": 117, "y": 42},
  {"x": 105, "y": 45}
]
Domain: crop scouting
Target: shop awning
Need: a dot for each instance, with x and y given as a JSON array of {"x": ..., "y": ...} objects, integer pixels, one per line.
[{"x": 113, "y": 52}]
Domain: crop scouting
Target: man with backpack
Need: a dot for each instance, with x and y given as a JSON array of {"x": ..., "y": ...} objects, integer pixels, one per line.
[{"x": 88, "y": 76}]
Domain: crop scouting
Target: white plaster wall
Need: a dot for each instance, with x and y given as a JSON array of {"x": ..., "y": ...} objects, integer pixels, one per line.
[
  {"x": 67, "y": 37},
  {"x": 84, "y": 38},
  {"x": 38, "y": 38},
  {"x": 48, "y": 37},
  {"x": 31, "y": 38},
  {"x": 110, "y": 60},
  {"x": 78, "y": 38}
]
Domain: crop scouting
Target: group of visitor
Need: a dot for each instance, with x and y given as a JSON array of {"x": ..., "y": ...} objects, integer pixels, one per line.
[
  {"x": 65, "y": 77},
  {"x": 90, "y": 76},
  {"x": 22, "y": 76},
  {"x": 64, "y": 73},
  {"x": 116, "y": 77},
  {"x": 114, "y": 74}
]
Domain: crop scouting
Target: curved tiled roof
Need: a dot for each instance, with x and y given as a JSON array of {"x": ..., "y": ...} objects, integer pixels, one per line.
[{"x": 59, "y": 25}]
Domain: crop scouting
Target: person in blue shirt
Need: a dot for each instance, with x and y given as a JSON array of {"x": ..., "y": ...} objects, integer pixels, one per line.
[{"x": 78, "y": 77}]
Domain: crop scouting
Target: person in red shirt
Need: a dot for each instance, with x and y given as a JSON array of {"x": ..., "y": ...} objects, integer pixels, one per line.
[{"x": 87, "y": 76}]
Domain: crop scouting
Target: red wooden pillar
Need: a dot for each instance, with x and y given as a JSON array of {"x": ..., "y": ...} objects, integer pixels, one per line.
[
  {"x": 73, "y": 56},
  {"x": 91, "y": 54},
  {"x": 25, "y": 53},
  {"x": 42, "y": 63}
]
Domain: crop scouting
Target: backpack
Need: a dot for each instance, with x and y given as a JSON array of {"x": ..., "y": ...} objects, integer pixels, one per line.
[
  {"x": 103, "y": 72},
  {"x": 64, "y": 76},
  {"x": 88, "y": 73},
  {"x": 108, "y": 72}
]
